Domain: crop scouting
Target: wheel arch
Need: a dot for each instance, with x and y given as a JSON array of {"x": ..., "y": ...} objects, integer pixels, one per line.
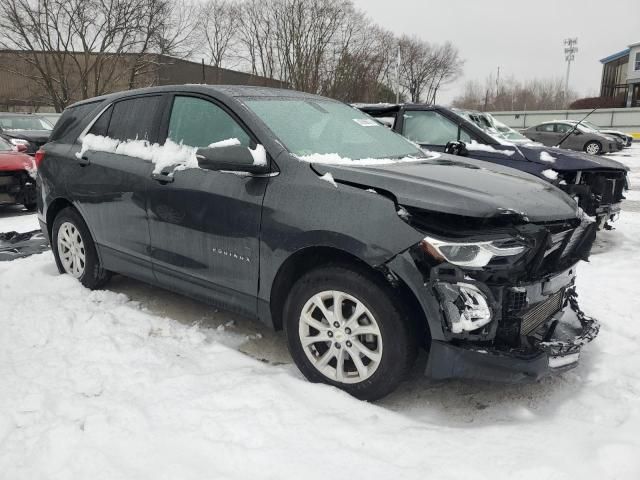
[
  {"x": 309, "y": 258},
  {"x": 53, "y": 209}
]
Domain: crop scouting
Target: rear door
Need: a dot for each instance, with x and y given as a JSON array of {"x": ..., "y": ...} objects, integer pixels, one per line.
[
  {"x": 110, "y": 189},
  {"x": 545, "y": 134},
  {"x": 205, "y": 225}
]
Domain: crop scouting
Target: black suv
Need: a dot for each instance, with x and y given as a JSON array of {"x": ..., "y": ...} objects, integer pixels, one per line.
[
  {"x": 307, "y": 214},
  {"x": 597, "y": 183}
]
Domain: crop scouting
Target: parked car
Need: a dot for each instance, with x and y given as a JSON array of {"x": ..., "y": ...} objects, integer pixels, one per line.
[
  {"x": 622, "y": 138},
  {"x": 305, "y": 213},
  {"x": 581, "y": 139},
  {"x": 26, "y": 129},
  {"x": 50, "y": 117},
  {"x": 597, "y": 183},
  {"x": 17, "y": 182},
  {"x": 489, "y": 124}
]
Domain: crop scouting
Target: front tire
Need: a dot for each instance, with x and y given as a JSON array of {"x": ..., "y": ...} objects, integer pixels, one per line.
[
  {"x": 593, "y": 148},
  {"x": 365, "y": 347},
  {"x": 75, "y": 251}
]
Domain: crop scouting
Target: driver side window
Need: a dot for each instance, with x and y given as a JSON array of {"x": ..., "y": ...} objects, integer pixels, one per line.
[
  {"x": 431, "y": 128},
  {"x": 199, "y": 123}
]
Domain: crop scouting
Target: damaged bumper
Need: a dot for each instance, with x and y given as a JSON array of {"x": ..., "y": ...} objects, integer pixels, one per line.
[{"x": 571, "y": 330}]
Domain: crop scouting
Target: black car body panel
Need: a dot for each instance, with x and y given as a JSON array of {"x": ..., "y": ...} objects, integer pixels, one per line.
[
  {"x": 599, "y": 193},
  {"x": 238, "y": 241}
]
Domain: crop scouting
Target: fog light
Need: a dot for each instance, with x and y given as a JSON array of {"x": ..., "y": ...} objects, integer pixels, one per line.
[{"x": 465, "y": 306}]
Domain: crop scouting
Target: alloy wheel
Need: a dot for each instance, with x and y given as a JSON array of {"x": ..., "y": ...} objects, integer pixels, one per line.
[
  {"x": 340, "y": 337},
  {"x": 71, "y": 250},
  {"x": 593, "y": 148}
]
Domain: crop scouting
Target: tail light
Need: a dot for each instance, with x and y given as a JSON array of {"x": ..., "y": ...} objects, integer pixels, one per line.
[{"x": 39, "y": 157}]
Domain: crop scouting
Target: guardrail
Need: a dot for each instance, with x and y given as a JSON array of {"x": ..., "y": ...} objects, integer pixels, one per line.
[{"x": 624, "y": 119}]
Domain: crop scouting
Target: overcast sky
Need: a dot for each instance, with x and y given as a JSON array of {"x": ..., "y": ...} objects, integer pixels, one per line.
[{"x": 524, "y": 38}]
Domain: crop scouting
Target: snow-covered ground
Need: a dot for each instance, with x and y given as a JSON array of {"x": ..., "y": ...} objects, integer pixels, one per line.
[{"x": 137, "y": 383}]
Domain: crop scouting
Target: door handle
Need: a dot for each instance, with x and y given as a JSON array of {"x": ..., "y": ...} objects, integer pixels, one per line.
[
  {"x": 83, "y": 161},
  {"x": 163, "y": 178}
]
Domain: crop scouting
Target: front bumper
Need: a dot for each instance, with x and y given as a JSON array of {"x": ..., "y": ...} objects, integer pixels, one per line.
[{"x": 557, "y": 354}]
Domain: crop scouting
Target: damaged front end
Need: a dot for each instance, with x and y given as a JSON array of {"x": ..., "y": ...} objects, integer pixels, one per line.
[{"x": 499, "y": 294}]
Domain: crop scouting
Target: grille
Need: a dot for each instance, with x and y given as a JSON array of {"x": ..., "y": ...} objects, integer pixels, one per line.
[
  {"x": 540, "y": 312},
  {"x": 517, "y": 300}
]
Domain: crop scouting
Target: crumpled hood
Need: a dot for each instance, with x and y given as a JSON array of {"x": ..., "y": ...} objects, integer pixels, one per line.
[
  {"x": 13, "y": 161},
  {"x": 470, "y": 188},
  {"x": 569, "y": 159},
  {"x": 36, "y": 136}
]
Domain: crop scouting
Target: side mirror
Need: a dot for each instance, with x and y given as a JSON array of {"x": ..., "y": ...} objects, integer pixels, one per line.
[
  {"x": 456, "y": 148},
  {"x": 577, "y": 132},
  {"x": 233, "y": 158}
]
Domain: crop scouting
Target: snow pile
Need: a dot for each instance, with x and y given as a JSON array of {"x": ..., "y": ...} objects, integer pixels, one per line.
[
  {"x": 18, "y": 223},
  {"x": 475, "y": 146},
  {"x": 165, "y": 156},
  {"x": 93, "y": 385},
  {"x": 170, "y": 154},
  {"x": 259, "y": 156},
  {"x": 550, "y": 174},
  {"x": 546, "y": 157},
  {"x": 327, "y": 177},
  {"x": 229, "y": 142}
]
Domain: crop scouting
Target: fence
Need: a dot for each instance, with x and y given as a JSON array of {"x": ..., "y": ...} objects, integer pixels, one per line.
[{"x": 624, "y": 119}]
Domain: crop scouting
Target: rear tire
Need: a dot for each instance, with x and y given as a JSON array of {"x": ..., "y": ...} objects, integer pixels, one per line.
[
  {"x": 593, "y": 147},
  {"x": 373, "y": 362},
  {"x": 75, "y": 251}
]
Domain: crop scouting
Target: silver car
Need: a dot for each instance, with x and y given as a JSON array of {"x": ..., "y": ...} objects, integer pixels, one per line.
[{"x": 582, "y": 138}]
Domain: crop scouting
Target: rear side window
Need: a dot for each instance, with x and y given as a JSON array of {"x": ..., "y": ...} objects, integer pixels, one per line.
[
  {"x": 199, "y": 123},
  {"x": 101, "y": 125},
  {"x": 72, "y": 120},
  {"x": 135, "y": 118},
  {"x": 547, "y": 127}
]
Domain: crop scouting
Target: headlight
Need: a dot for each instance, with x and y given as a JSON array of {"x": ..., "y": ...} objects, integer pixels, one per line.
[{"x": 469, "y": 254}]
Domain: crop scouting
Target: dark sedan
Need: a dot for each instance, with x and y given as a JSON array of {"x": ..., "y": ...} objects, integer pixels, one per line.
[{"x": 596, "y": 182}]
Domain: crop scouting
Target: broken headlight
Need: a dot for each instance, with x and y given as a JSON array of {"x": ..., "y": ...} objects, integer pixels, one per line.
[
  {"x": 465, "y": 306},
  {"x": 469, "y": 254}
]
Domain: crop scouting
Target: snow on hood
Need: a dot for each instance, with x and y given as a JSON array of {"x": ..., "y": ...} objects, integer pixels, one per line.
[
  {"x": 335, "y": 159},
  {"x": 483, "y": 147},
  {"x": 568, "y": 160}
]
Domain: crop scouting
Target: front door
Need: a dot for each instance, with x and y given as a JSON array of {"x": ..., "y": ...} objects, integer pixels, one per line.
[
  {"x": 205, "y": 225},
  {"x": 431, "y": 129},
  {"x": 110, "y": 189}
]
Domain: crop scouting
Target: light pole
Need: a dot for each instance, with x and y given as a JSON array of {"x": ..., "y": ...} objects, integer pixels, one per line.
[{"x": 570, "y": 50}]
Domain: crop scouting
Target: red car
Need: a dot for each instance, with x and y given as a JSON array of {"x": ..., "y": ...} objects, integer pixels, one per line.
[{"x": 17, "y": 177}]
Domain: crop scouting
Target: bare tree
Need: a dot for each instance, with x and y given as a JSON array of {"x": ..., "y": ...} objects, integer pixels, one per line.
[
  {"x": 81, "y": 48},
  {"x": 220, "y": 20},
  {"x": 535, "y": 94}
]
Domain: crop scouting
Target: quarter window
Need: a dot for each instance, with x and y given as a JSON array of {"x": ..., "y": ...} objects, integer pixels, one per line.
[
  {"x": 199, "y": 123},
  {"x": 431, "y": 128},
  {"x": 545, "y": 127},
  {"x": 101, "y": 125},
  {"x": 135, "y": 118}
]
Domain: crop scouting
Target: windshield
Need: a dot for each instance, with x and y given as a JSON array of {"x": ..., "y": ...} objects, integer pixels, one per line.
[
  {"x": 24, "y": 122},
  {"x": 506, "y": 131},
  {"x": 315, "y": 126}
]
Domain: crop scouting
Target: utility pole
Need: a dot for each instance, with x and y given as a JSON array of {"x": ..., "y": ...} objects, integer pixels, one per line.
[
  {"x": 570, "y": 50},
  {"x": 398, "y": 76},
  {"x": 498, "y": 82}
]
